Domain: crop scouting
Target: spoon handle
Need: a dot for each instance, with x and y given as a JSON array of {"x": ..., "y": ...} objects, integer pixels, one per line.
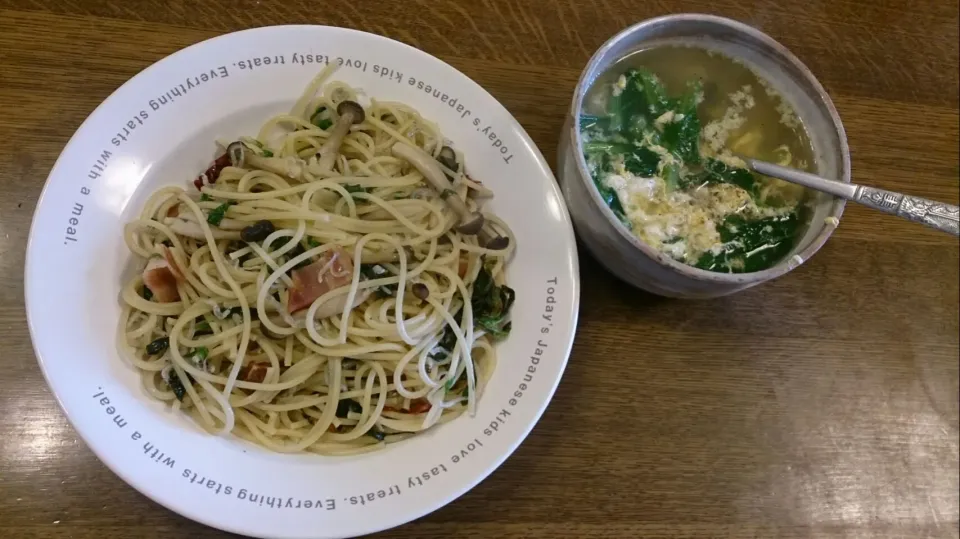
[
  {"x": 944, "y": 217},
  {"x": 938, "y": 215}
]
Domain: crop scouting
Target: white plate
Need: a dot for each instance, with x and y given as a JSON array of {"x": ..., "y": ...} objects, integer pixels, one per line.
[{"x": 158, "y": 129}]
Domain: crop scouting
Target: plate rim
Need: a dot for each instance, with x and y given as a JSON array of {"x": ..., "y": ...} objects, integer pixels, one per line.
[{"x": 116, "y": 465}]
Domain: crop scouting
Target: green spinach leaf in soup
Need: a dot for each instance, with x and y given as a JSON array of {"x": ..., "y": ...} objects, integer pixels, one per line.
[
  {"x": 642, "y": 162},
  {"x": 654, "y": 92},
  {"x": 601, "y": 167},
  {"x": 615, "y": 114},
  {"x": 759, "y": 243},
  {"x": 671, "y": 177},
  {"x": 715, "y": 171},
  {"x": 682, "y": 135},
  {"x": 629, "y": 108},
  {"x": 597, "y": 125}
]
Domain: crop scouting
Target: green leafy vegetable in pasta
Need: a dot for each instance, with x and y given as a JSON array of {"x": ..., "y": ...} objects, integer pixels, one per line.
[
  {"x": 158, "y": 346},
  {"x": 491, "y": 305},
  {"x": 322, "y": 118},
  {"x": 376, "y": 271},
  {"x": 353, "y": 188},
  {"x": 215, "y": 217},
  {"x": 345, "y": 406},
  {"x": 176, "y": 385},
  {"x": 199, "y": 357},
  {"x": 202, "y": 328}
]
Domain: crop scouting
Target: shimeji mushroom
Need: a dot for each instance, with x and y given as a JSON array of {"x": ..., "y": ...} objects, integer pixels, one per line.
[
  {"x": 242, "y": 157},
  {"x": 349, "y": 113},
  {"x": 448, "y": 158},
  {"x": 471, "y": 222}
]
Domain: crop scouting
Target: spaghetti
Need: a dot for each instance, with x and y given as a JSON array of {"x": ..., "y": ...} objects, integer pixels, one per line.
[{"x": 334, "y": 285}]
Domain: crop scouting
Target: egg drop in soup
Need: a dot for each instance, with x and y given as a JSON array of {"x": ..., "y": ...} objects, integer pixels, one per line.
[{"x": 663, "y": 134}]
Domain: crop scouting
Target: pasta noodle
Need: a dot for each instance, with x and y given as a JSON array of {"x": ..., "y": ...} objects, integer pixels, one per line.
[{"x": 334, "y": 285}]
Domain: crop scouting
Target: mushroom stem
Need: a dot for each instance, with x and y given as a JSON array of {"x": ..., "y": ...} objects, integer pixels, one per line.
[
  {"x": 350, "y": 113},
  {"x": 241, "y": 157},
  {"x": 470, "y": 222}
]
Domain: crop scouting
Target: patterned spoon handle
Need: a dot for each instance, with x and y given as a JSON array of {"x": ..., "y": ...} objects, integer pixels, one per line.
[
  {"x": 938, "y": 215},
  {"x": 945, "y": 217}
]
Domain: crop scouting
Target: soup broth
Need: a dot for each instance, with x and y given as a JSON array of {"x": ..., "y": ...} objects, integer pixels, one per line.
[{"x": 663, "y": 134}]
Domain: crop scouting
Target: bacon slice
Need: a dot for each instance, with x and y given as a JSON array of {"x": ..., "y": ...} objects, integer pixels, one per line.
[
  {"x": 333, "y": 270},
  {"x": 172, "y": 262},
  {"x": 161, "y": 280},
  {"x": 419, "y": 406},
  {"x": 255, "y": 372}
]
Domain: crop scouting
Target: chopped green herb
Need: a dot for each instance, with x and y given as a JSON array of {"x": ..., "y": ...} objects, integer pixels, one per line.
[
  {"x": 354, "y": 188},
  {"x": 258, "y": 231},
  {"x": 491, "y": 305},
  {"x": 376, "y": 271},
  {"x": 146, "y": 293},
  {"x": 264, "y": 152},
  {"x": 321, "y": 118},
  {"x": 239, "y": 311},
  {"x": 313, "y": 243},
  {"x": 200, "y": 354},
  {"x": 176, "y": 385},
  {"x": 205, "y": 198},
  {"x": 202, "y": 328},
  {"x": 158, "y": 346},
  {"x": 199, "y": 357},
  {"x": 448, "y": 341},
  {"x": 377, "y": 434},
  {"x": 216, "y": 215},
  {"x": 295, "y": 252},
  {"x": 345, "y": 406}
]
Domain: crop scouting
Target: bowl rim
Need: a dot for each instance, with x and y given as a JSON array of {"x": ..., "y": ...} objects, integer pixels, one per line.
[{"x": 784, "y": 266}]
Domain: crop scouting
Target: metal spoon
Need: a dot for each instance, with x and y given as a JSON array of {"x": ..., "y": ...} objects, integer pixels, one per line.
[{"x": 938, "y": 215}]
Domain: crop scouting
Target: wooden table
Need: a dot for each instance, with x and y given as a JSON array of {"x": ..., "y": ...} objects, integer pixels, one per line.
[{"x": 824, "y": 404}]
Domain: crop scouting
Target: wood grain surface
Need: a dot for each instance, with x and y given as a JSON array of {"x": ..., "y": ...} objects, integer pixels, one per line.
[{"x": 824, "y": 404}]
